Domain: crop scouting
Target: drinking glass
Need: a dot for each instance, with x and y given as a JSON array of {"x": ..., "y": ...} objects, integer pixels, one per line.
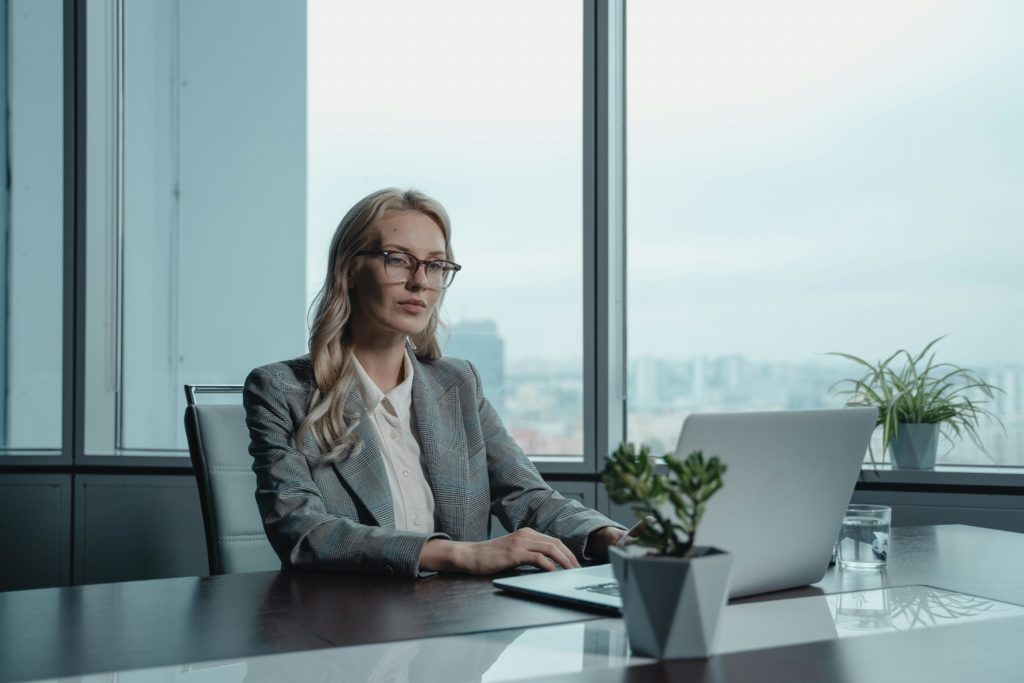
[{"x": 864, "y": 537}]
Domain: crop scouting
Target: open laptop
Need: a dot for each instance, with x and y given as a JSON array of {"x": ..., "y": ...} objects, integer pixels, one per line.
[{"x": 790, "y": 476}]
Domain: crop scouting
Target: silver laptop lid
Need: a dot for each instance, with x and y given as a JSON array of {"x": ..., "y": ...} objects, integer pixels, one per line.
[{"x": 790, "y": 476}]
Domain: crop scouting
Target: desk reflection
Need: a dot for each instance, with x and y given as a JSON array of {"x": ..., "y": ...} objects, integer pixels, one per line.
[
  {"x": 903, "y": 608},
  {"x": 510, "y": 655},
  {"x": 435, "y": 660}
]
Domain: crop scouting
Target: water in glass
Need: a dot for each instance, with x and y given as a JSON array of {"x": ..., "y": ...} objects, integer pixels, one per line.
[{"x": 863, "y": 542}]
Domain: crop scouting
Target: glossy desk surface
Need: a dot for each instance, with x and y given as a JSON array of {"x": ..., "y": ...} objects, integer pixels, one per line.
[{"x": 448, "y": 628}]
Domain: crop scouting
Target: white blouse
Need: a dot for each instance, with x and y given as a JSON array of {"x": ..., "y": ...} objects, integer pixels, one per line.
[{"x": 392, "y": 418}]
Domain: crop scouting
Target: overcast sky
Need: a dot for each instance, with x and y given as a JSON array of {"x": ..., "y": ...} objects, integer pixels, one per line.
[{"x": 802, "y": 178}]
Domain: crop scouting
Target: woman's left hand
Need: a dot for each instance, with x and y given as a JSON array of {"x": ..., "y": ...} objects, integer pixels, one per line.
[{"x": 599, "y": 541}]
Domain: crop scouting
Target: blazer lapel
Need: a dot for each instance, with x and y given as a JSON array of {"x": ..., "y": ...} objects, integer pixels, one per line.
[
  {"x": 364, "y": 471},
  {"x": 443, "y": 439}
]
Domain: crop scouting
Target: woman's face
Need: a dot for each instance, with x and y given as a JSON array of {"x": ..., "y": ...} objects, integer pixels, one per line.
[{"x": 387, "y": 311}]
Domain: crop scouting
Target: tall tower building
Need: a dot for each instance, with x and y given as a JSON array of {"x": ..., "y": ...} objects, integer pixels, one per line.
[{"x": 478, "y": 341}]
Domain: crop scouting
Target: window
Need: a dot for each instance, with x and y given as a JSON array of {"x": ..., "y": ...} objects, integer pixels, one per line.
[
  {"x": 480, "y": 107},
  {"x": 802, "y": 179},
  {"x": 31, "y": 226},
  {"x": 220, "y": 169},
  {"x": 197, "y": 208},
  {"x": 808, "y": 177}
]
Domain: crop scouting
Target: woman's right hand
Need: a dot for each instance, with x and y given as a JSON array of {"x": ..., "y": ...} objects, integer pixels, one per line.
[{"x": 524, "y": 546}]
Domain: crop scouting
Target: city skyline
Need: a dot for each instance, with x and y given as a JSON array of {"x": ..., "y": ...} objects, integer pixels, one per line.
[
  {"x": 797, "y": 183},
  {"x": 541, "y": 401}
]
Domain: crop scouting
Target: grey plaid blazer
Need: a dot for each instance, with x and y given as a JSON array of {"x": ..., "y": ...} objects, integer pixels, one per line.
[{"x": 340, "y": 516}]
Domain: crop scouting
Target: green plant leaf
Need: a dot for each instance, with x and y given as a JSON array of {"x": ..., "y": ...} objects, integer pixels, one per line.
[
  {"x": 921, "y": 390},
  {"x": 630, "y": 478}
]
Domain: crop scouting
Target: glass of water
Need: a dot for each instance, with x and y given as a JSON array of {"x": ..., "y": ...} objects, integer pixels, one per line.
[{"x": 864, "y": 537}]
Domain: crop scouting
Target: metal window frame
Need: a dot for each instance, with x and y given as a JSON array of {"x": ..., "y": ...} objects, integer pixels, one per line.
[
  {"x": 603, "y": 236},
  {"x": 5, "y": 218},
  {"x": 604, "y": 256},
  {"x": 112, "y": 457},
  {"x": 74, "y": 228},
  {"x": 603, "y": 232}
]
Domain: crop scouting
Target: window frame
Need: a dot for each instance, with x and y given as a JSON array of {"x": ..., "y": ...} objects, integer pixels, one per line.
[{"x": 604, "y": 250}]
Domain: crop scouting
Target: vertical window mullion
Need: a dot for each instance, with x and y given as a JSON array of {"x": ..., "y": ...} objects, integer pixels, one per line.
[
  {"x": 73, "y": 390},
  {"x": 608, "y": 188}
]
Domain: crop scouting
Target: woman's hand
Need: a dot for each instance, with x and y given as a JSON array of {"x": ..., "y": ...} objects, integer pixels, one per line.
[
  {"x": 524, "y": 546},
  {"x": 599, "y": 541}
]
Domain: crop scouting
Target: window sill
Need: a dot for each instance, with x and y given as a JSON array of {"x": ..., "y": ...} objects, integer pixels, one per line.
[{"x": 943, "y": 476}]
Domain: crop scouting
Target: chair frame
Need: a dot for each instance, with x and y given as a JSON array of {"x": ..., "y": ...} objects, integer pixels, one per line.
[{"x": 198, "y": 457}]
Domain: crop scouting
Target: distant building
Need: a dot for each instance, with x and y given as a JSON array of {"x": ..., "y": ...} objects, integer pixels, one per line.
[
  {"x": 645, "y": 378},
  {"x": 698, "y": 371},
  {"x": 658, "y": 385},
  {"x": 478, "y": 341},
  {"x": 1011, "y": 400}
]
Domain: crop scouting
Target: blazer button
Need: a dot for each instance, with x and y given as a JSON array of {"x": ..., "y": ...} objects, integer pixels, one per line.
[{"x": 389, "y": 570}]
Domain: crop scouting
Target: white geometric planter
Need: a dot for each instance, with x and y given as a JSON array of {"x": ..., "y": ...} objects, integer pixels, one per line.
[
  {"x": 915, "y": 446},
  {"x": 671, "y": 605}
]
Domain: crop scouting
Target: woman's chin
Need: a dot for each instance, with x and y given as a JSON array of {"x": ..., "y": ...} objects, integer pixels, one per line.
[{"x": 409, "y": 330}]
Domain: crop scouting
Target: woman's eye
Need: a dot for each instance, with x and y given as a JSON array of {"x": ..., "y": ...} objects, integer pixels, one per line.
[
  {"x": 396, "y": 260},
  {"x": 435, "y": 267}
]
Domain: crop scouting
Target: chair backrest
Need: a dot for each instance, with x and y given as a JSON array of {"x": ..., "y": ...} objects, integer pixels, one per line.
[{"x": 218, "y": 442}]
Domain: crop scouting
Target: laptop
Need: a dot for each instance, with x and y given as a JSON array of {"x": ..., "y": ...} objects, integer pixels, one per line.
[{"x": 790, "y": 476}]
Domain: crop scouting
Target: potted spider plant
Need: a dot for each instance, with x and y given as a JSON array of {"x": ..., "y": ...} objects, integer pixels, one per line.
[
  {"x": 918, "y": 400},
  {"x": 673, "y": 591}
]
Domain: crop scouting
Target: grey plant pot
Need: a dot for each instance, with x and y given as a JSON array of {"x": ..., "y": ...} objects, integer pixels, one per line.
[
  {"x": 672, "y": 605},
  {"x": 915, "y": 446}
]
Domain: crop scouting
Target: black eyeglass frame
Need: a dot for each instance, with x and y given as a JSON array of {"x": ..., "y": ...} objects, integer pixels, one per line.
[{"x": 449, "y": 266}]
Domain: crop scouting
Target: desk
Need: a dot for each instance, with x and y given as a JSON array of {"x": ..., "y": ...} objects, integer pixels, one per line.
[{"x": 63, "y": 632}]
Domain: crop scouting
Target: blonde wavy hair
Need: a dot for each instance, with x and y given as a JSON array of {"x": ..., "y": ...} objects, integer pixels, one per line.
[{"x": 330, "y": 343}]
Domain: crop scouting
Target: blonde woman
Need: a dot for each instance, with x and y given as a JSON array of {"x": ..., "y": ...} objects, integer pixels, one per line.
[{"x": 375, "y": 454}]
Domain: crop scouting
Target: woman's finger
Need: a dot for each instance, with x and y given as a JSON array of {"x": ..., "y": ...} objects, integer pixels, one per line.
[
  {"x": 556, "y": 550},
  {"x": 543, "y": 561}
]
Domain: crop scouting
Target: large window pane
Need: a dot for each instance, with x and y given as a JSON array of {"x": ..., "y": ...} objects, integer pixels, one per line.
[
  {"x": 31, "y": 224},
  {"x": 206, "y": 243},
  {"x": 197, "y": 196},
  {"x": 808, "y": 177},
  {"x": 480, "y": 106}
]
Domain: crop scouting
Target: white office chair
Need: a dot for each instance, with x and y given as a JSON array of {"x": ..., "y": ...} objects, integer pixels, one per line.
[{"x": 218, "y": 442}]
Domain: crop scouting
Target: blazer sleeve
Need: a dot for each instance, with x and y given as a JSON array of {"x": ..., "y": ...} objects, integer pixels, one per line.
[
  {"x": 520, "y": 496},
  {"x": 295, "y": 517}
]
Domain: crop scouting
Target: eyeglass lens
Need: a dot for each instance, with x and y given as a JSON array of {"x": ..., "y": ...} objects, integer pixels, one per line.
[{"x": 402, "y": 266}]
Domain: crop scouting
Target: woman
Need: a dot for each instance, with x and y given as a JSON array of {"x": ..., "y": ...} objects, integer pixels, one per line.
[{"x": 375, "y": 454}]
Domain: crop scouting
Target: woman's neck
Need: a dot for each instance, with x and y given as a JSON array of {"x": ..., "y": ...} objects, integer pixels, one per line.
[{"x": 385, "y": 364}]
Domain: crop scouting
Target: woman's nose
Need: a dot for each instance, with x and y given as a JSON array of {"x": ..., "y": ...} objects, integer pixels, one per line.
[{"x": 418, "y": 278}]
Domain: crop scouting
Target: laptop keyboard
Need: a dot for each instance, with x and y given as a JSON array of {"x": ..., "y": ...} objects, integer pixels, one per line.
[{"x": 611, "y": 588}]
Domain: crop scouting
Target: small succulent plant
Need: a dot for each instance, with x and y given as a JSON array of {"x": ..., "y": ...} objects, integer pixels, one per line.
[{"x": 631, "y": 479}]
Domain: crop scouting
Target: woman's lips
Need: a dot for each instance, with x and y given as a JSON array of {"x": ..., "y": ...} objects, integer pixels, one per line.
[{"x": 414, "y": 307}]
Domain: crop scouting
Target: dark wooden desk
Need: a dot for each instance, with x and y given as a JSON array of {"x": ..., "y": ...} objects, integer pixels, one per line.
[{"x": 90, "y": 629}]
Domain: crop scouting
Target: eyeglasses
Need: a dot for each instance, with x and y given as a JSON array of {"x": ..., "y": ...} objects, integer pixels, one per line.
[{"x": 400, "y": 266}]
